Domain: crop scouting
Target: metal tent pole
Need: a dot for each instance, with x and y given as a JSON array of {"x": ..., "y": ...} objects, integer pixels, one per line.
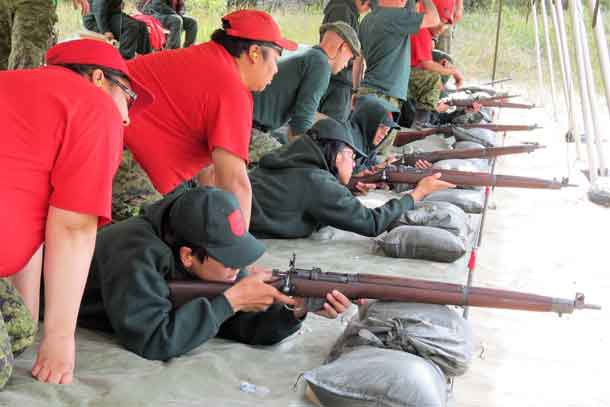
[
  {"x": 570, "y": 83},
  {"x": 498, "y": 24},
  {"x": 561, "y": 56},
  {"x": 602, "y": 50},
  {"x": 584, "y": 92},
  {"x": 541, "y": 97},
  {"x": 592, "y": 91},
  {"x": 549, "y": 55}
]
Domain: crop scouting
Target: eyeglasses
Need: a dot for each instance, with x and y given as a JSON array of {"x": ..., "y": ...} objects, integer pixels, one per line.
[
  {"x": 350, "y": 153},
  {"x": 133, "y": 96}
]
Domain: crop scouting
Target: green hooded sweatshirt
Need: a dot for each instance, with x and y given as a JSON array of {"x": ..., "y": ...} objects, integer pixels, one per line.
[
  {"x": 294, "y": 194},
  {"x": 127, "y": 293},
  {"x": 363, "y": 123}
]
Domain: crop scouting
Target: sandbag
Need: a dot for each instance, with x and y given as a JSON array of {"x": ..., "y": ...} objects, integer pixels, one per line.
[
  {"x": 461, "y": 164},
  {"x": 434, "y": 332},
  {"x": 375, "y": 377},
  {"x": 434, "y": 142},
  {"x": 443, "y": 215},
  {"x": 469, "y": 200},
  {"x": 485, "y": 137},
  {"x": 422, "y": 242}
]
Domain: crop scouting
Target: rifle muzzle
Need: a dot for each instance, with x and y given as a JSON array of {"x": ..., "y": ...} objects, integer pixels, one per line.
[{"x": 561, "y": 306}]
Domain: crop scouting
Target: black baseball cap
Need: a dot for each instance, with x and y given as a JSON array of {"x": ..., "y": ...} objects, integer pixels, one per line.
[{"x": 211, "y": 218}]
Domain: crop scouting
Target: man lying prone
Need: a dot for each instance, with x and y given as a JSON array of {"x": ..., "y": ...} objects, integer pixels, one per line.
[{"x": 195, "y": 234}]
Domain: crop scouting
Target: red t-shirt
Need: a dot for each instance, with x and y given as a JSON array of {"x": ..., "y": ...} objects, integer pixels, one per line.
[
  {"x": 61, "y": 144},
  {"x": 421, "y": 47},
  {"x": 200, "y": 104}
]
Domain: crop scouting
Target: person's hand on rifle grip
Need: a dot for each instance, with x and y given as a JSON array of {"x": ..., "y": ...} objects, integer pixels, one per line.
[
  {"x": 252, "y": 294},
  {"x": 336, "y": 303},
  {"x": 428, "y": 185},
  {"x": 475, "y": 108},
  {"x": 255, "y": 269},
  {"x": 363, "y": 188},
  {"x": 442, "y": 107}
]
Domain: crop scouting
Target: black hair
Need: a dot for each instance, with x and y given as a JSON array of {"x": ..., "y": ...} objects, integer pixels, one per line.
[
  {"x": 236, "y": 45},
  {"x": 86, "y": 69},
  {"x": 330, "y": 149}
]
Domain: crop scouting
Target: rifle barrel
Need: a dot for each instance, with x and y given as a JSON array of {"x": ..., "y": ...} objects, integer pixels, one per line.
[
  {"x": 405, "y": 137},
  {"x": 434, "y": 156},
  {"x": 412, "y": 176}
]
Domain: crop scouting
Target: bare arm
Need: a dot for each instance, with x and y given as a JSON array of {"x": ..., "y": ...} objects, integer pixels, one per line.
[
  {"x": 69, "y": 240},
  {"x": 231, "y": 174},
  {"x": 83, "y": 5},
  {"x": 27, "y": 282},
  {"x": 431, "y": 18},
  {"x": 443, "y": 70},
  {"x": 459, "y": 10}
]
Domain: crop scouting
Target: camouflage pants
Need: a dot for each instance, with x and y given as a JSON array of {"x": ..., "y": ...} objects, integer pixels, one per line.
[
  {"x": 17, "y": 328},
  {"x": 261, "y": 143},
  {"x": 425, "y": 89},
  {"x": 131, "y": 189},
  {"x": 26, "y": 27},
  {"x": 389, "y": 140},
  {"x": 363, "y": 91}
]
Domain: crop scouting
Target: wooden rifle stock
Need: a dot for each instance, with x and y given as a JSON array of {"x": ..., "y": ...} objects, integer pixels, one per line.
[
  {"x": 405, "y": 137},
  {"x": 434, "y": 156},
  {"x": 465, "y": 178},
  {"x": 315, "y": 283}
]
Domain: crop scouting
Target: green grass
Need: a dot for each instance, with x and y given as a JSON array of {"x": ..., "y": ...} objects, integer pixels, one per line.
[{"x": 473, "y": 47}]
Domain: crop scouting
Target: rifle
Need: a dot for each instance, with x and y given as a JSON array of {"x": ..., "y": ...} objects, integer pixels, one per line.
[
  {"x": 471, "y": 100},
  {"x": 316, "y": 283},
  {"x": 405, "y": 137},
  {"x": 412, "y": 176},
  {"x": 434, "y": 156},
  {"x": 494, "y": 101},
  {"x": 480, "y": 88}
]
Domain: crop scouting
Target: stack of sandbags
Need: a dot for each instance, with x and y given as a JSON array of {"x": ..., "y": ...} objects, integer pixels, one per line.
[{"x": 394, "y": 354}]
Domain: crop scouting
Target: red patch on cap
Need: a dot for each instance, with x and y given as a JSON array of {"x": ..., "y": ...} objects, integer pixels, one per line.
[{"x": 236, "y": 221}]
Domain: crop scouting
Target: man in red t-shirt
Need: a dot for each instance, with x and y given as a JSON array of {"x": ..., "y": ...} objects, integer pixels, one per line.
[
  {"x": 61, "y": 144},
  {"x": 202, "y": 114},
  {"x": 425, "y": 81}
]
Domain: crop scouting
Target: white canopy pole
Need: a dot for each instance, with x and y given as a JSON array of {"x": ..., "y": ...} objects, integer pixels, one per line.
[
  {"x": 584, "y": 92},
  {"x": 602, "y": 50},
  {"x": 593, "y": 100},
  {"x": 541, "y": 95},
  {"x": 569, "y": 82},
  {"x": 549, "y": 55},
  {"x": 561, "y": 56}
]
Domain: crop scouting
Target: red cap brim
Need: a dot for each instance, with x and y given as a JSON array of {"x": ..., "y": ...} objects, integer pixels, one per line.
[{"x": 286, "y": 44}]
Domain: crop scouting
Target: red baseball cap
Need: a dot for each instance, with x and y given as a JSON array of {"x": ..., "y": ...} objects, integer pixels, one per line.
[
  {"x": 256, "y": 25},
  {"x": 96, "y": 52},
  {"x": 446, "y": 10}
]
